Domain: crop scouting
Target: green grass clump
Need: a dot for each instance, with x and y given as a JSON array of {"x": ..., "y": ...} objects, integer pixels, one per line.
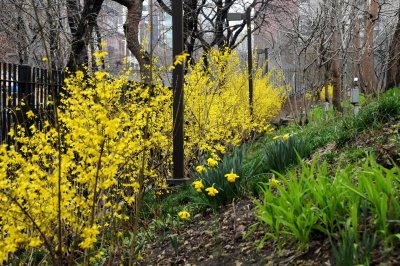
[
  {"x": 314, "y": 202},
  {"x": 280, "y": 153}
]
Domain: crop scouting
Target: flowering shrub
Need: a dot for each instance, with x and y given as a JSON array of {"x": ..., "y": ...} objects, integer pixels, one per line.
[
  {"x": 67, "y": 184},
  {"x": 217, "y": 106},
  {"x": 78, "y": 184}
]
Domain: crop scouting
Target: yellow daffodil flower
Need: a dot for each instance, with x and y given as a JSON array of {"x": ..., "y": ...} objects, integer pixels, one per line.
[
  {"x": 274, "y": 182},
  {"x": 198, "y": 185},
  {"x": 211, "y": 162},
  {"x": 200, "y": 169},
  {"x": 212, "y": 191},
  {"x": 231, "y": 177},
  {"x": 276, "y": 137},
  {"x": 285, "y": 137},
  {"x": 184, "y": 215}
]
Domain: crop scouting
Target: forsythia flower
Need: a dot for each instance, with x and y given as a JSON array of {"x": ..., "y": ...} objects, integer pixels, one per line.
[
  {"x": 212, "y": 191},
  {"x": 285, "y": 137},
  {"x": 211, "y": 162},
  {"x": 198, "y": 185},
  {"x": 200, "y": 169},
  {"x": 274, "y": 182},
  {"x": 231, "y": 177},
  {"x": 184, "y": 215},
  {"x": 89, "y": 236},
  {"x": 30, "y": 114}
]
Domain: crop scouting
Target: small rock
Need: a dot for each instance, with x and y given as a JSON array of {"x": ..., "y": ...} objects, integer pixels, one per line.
[
  {"x": 208, "y": 232},
  {"x": 228, "y": 247},
  {"x": 240, "y": 231},
  {"x": 197, "y": 216}
]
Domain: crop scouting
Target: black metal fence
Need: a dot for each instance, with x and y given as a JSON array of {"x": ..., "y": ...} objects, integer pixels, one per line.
[{"x": 27, "y": 96}]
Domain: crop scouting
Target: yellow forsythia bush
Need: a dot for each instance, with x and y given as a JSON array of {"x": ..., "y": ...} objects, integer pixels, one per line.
[
  {"x": 79, "y": 180},
  {"x": 217, "y": 104},
  {"x": 72, "y": 187}
]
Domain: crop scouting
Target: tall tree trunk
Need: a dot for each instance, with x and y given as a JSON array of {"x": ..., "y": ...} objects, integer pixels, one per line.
[
  {"x": 219, "y": 38},
  {"x": 356, "y": 69},
  {"x": 81, "y": 31},
  {"x": 393, "y": 72},
  {"x": 335, "y": 66},
  {"x": 368, "y": 66},
  {"x": 131, "y": 28}
]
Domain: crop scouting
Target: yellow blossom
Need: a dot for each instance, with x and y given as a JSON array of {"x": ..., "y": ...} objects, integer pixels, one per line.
[
  {"x": 212, "y": 191},
  {"x": 285, "y": 137},
  {"x": 231, "y": 177},
  {"x": 30, "y": 114},
  {"x": 44, "y": 59},
  {"x": 184, "y": 215},
  {"x": 89, "y": 236},
  {"x": 274, "y": 182},
  {"x": 198, "y": 185},
  {"x": 200, "y": 169},
  {"x": 212, "y": 162}
]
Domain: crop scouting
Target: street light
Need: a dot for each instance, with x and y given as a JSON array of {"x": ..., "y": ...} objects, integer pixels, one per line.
[{"x": 246, "y": 17}]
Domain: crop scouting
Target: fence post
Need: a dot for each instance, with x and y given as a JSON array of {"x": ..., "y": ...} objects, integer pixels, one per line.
[{"x": 25, "y": 95}]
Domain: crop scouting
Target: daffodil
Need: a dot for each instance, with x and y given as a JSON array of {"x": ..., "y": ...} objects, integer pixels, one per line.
[
  {"x": 212, "y": 162},
  {"x": 231, "y": 177},
  {"x": 198, "y": 185},
  {"x": 184, "y": 215},
  {"x": 200, "y": 169},
  {"x": 285, "y": 137},
  {"x": 274, "y": 182},
  {"x": 276, "y": 137},
  {"x": 212, "y": 191}
]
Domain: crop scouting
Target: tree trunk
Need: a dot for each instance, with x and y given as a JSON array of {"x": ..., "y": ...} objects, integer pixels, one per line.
[
  {"x": 356, "y": 69},
  {"x": 368, "y": 66},
  {"x": 131, "y": 28},
  {"x": 335, "y": 67},
  {"x": 393, "y": 72},
  {"x": 81, "y": 31}
]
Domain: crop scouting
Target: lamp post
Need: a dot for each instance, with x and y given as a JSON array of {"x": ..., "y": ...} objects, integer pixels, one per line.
[
  {"x": 177, "y": 85},
  {"x": 246, "y": 17}
]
